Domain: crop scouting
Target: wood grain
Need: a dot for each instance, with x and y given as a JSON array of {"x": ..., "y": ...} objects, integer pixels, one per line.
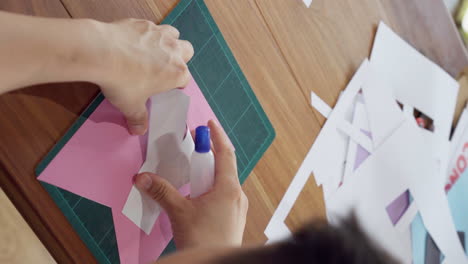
[
  {"x": 19, "y": 243},
  {"x": 285, "y": 51},
  {"x": 329, "y": 41},
  {"x": 332, "y": 38},
  {"x": 32, "y": 120}
]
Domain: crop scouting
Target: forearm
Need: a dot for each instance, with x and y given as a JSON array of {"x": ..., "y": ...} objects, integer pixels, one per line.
[
  {"x": 43, "y": 50},
  {"x": 130, "y": 60}
]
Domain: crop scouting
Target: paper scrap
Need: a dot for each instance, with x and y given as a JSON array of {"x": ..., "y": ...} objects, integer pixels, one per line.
[
  {"x": 356, "y": 153},
  {"x": 320, "y": 105},
  {"x": 168, "y": 154},
  {"x": 330, "y": 148}
]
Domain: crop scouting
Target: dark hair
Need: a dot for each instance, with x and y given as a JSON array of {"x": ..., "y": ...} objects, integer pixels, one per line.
[{"x": 319, "y": 242}]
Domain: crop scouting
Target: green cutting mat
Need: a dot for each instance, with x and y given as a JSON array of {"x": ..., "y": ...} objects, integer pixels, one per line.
[{"x": 229, "y": 94}]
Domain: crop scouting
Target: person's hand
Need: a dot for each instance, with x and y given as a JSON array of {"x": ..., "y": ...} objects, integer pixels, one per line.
[
  {"x": 130, "y": 59},
  {"x": 141, "y": 59},
  {"x": 216, "y": 218}
]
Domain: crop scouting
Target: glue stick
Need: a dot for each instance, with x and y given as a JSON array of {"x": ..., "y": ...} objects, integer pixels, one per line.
[{"x": 201, "y": 163}]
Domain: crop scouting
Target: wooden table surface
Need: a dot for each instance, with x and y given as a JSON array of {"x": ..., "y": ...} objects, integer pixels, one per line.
[
  {"x": 18, "y": 244},
  {"x": 285, "y": 50}
]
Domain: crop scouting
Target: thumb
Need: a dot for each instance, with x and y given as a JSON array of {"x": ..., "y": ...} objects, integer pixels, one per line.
[
  {"x": 137, "y": 121},
  {"x": 161, "y": 191}
]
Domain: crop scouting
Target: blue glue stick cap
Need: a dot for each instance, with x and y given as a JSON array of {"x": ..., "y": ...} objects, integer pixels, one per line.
[{"x": 202, "y": 139}]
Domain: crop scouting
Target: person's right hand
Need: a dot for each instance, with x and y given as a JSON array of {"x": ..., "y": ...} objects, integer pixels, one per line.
[
  {"x": 216, "y": 218},
  {"x": 139, "y": 60}
]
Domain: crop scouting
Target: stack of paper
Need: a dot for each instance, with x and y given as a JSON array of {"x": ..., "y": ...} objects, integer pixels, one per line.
[
  {"x": 424, "y": 248},
  {"x": 384, "y": 151}
]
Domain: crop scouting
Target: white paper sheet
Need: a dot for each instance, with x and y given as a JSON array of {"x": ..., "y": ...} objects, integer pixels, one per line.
[
  {"x": 276, "y": 229},
  {"x": 404, "y": 156},
  {"x": 402, "y": 73},
  {"x": 408, "y": 110},
  {"x": 408, "y": 157},
  {"x": 356, "y": 135},
  {"x": 386, "y": 174},
  {"x": 328, "y": 153},
  {"x": 307, "y": 2},
  {"x": 168, "y": 154},
  {"x": 360, "y": 122},
  {"x": 320, "y": 105},
  {"x": 382, "y": 120},
  {"x": 416, "y": 82},
  {"x": 456, "y": 146}
]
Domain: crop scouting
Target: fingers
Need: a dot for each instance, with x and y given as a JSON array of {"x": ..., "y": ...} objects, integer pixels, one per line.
[
  {"x": 181, "y": 52},
  {"x": 225, "y": 158},
  {"x": 170, "y": 31},
  {"x": 220, "y": 140},
  {"x": 183, "y": 77},
  {"x": 162, "y": 192},
  {"x": 186, "y": 49},
  {"x": 137, "y": 121},
  {"x": 182, "y": 48}
]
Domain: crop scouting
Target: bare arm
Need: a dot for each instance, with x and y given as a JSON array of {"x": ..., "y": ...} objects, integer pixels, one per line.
[
  {"x": 42, "y": 50},
  {"x": 130, "y": 59}
]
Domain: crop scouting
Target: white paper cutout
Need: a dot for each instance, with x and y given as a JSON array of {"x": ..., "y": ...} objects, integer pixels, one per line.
[
  {"x": 360, "y": 122},
  {"x": 168, "y": 154},
  {"x": 276, "y": 229},
  {"x": 329, "y": 149},
  {"x": 320, "y": 105}
]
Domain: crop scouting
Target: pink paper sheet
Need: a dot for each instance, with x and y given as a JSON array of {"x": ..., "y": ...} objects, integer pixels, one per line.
[{"x": 99, "y": 162}]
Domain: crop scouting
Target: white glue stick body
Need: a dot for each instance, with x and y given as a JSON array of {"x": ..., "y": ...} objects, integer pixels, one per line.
[{"x": 202, "y": 163}]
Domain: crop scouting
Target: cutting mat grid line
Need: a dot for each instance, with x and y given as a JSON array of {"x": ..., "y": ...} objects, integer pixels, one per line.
[
  {"x": 234, "y": 140},
  {"x": 242, "y": 115},
  {"x": 228, "y": 93},
  {"x": 75, "y": 221},
  {"x": 198, "y": 52},
  {"x": 221, "y": 116},
  {"x": 105, "y": 235},
  {"x": 77, "y": 202},
  {"x": 222, "y": 82}
]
